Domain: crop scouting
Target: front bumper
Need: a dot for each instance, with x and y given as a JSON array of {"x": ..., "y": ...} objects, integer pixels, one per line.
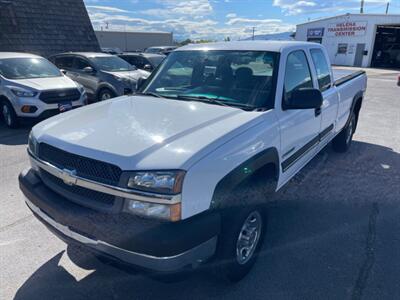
[
  {"x": 153, "y": 245},
  {"x": 43, "y": 110}
]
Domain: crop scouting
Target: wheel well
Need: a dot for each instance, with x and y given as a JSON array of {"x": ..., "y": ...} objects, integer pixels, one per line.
[
  {"x": 241, "y": 177},
  {"x": 3, "y": 98}
]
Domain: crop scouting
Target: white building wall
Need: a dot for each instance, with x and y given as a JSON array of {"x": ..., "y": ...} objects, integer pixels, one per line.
[
  {"x": 131, "y": 41},
  {"x": 331, "y": 42}
]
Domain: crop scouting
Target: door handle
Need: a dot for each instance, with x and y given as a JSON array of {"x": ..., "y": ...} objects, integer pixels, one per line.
[{"x": 318, "y": 111}]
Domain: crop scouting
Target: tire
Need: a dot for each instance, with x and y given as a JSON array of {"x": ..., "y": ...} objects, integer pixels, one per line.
[
  {"x": 105, "y": 94},
  {"x": 342, "y": 142},
  {"x": 9, "y": 115},
  {"x": 239, "y": 242}
]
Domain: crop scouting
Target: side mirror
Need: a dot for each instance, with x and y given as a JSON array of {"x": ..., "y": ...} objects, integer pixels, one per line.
[
  {"x": 148, "y": 67},
  {"x": 307, "y": 98},
  {"x": 63, "y": 71},
  {"x": 88, "y": 70},
  {"x": 140, "y": 82}
]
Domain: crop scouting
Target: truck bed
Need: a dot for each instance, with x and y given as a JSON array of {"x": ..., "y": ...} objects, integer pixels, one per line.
[{"x": 341, "y": 76}]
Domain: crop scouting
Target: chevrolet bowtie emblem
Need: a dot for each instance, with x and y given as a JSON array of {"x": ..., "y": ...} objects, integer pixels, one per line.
[{"x": 68, "y": 176}]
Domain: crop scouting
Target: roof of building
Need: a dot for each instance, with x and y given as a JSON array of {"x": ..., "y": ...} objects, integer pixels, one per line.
[
  {"x": 274, "y": 46},
  {"x": 4, "y": 55},
  {"x": 351, "y": 15},
  {"x": 46, "y": 27}
]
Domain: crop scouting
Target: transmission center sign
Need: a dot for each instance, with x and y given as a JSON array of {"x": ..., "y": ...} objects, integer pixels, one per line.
[{"x": 347, "y": 29}]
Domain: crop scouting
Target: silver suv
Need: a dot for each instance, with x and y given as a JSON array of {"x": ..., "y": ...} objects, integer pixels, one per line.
[
  {"x": 33, "y": 88},
  {"x": 104, "y": 76}
]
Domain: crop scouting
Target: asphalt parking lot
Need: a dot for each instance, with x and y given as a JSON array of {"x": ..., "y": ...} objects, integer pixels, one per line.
[{"x": 332, "y": 234}]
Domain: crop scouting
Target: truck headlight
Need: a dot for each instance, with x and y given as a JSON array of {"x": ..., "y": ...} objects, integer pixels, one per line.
[
  {"x": 170, "y": 212},
  {"x": 33, "y": 144},
  {"x": 23, "y": 93},
  {"x": 163, "y": 182}
]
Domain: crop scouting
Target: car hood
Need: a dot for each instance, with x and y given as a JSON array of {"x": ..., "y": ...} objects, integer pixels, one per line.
[
  {"x": 145, "y": 133},
  {"x": 132, "y": 75},
  {"x": 50, "y": 83}
]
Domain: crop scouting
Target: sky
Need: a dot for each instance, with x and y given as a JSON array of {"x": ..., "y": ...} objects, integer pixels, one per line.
[{"x": 219, "y": 19}]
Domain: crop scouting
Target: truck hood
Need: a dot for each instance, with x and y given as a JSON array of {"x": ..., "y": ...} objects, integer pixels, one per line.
[
  {"x": 145, "y": 133},
  {"x": 50, "y": 83}
]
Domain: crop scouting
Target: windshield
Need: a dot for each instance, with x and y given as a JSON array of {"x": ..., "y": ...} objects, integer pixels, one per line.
[
  {"x": 236, "y": 78},
  {"x": 26, "y": 68},
  {"x": 156, "y": 60},
  {"x": 111, "y": 64}
]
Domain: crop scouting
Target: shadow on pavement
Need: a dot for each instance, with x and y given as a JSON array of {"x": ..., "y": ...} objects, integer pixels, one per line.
[
  {"x": 329, "y": 235},
  {"x": 14, "y": 136}
]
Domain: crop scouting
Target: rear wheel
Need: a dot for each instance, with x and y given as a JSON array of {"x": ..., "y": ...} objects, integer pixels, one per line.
[
  {"x": 342, "y": 142},
  {"x": 9, "y": 115},
  {"x": 105, "y": 94}
]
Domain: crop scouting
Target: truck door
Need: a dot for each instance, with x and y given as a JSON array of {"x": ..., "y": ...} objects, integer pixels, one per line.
[
  {"x": 299, "y": 127},
  {"x": 330, "y": 106}
]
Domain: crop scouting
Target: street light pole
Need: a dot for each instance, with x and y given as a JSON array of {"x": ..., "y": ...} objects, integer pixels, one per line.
[{"x": 254, "y": 29}]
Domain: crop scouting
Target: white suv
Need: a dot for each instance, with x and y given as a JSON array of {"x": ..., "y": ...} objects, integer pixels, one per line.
[{"x": 32, "y": 87}]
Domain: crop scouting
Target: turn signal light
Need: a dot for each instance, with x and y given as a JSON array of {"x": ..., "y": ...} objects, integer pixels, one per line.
[{"x": 28, "y": 109}]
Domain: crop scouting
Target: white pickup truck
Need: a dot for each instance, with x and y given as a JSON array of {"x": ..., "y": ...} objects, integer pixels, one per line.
[{"x": 180, "y": 173}]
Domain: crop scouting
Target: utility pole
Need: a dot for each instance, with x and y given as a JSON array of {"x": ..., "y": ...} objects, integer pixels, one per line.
[
  {"x": 254, "y": 29},
  {"x": 387, "y": 7},
  {"x": 362, "y": 7}
]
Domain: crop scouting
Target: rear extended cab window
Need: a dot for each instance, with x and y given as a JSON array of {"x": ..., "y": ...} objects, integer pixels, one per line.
[{"x": 322, "y": 69}]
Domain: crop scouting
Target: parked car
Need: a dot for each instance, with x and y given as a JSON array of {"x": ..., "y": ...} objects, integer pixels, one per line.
[
  {"x": 31, "y": 88},
  {"x": 143, "y": 61},
  {"x": 175, "y": 175},
  {"x": 104, "y": 76},
  {"x": 160, "y": 49},
  {"x": 113, "y": 51}
]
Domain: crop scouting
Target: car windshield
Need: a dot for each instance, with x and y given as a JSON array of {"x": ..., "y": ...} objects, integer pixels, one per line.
[
  {"x": 245, "y": 79},
  {"x": 111, "y": 64},
  {"x": 27, "y": 68},
  {"x": 156, "y": 60}
]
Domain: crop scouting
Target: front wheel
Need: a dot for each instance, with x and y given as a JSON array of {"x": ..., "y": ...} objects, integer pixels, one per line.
[
  {"x": 342, "y": 142},
  {"x": 240, "y": 242},
  {"x": 9, "y": 115}
]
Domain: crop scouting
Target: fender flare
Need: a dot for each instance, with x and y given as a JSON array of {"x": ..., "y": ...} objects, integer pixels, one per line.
[
  {"x": 267, "y": 157},
  {"x": 358, "y": 98}
]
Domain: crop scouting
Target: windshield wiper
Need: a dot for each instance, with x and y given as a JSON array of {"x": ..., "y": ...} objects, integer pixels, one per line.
[
  {"x": 150, "y": 94},
  {"x": 202, "y": 99}
]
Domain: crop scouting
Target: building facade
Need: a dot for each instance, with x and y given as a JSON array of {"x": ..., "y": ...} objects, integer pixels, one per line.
[
  {"x": 361, "y": 40},
  {"x": 45, "y": 27},
  {"x": 132, "y": 40}
]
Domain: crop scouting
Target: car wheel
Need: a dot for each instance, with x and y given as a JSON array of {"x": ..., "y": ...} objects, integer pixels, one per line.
[
  {"x": 105, "y": 94},
  {"x": 9, "y": 115},
  {"x": 239, "y": 242},
  {"x": 342, "y": 142}
]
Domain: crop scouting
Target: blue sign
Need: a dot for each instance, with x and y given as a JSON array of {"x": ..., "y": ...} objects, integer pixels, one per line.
[{"x": 315, "y": 32}]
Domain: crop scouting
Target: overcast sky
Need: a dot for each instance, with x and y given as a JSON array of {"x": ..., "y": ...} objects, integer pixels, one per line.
[{"x": 217, "y": 19}]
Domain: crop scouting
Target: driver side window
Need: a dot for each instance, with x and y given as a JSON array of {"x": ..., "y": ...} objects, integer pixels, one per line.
[{"x": 297, "y": 74}]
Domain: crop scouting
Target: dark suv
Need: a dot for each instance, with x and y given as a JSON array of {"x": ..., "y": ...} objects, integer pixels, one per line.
[
  {"x": 104, "y": 76},
  {"x": 143, "y": 61}
]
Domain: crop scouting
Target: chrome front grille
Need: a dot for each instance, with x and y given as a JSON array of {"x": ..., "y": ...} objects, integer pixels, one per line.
[{"x": 85, "y": 167}]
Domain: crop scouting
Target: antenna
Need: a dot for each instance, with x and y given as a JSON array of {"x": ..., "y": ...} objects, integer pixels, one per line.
[
  {"x": 362, "y": 7},
  {"x": 387, "y": 7}
]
